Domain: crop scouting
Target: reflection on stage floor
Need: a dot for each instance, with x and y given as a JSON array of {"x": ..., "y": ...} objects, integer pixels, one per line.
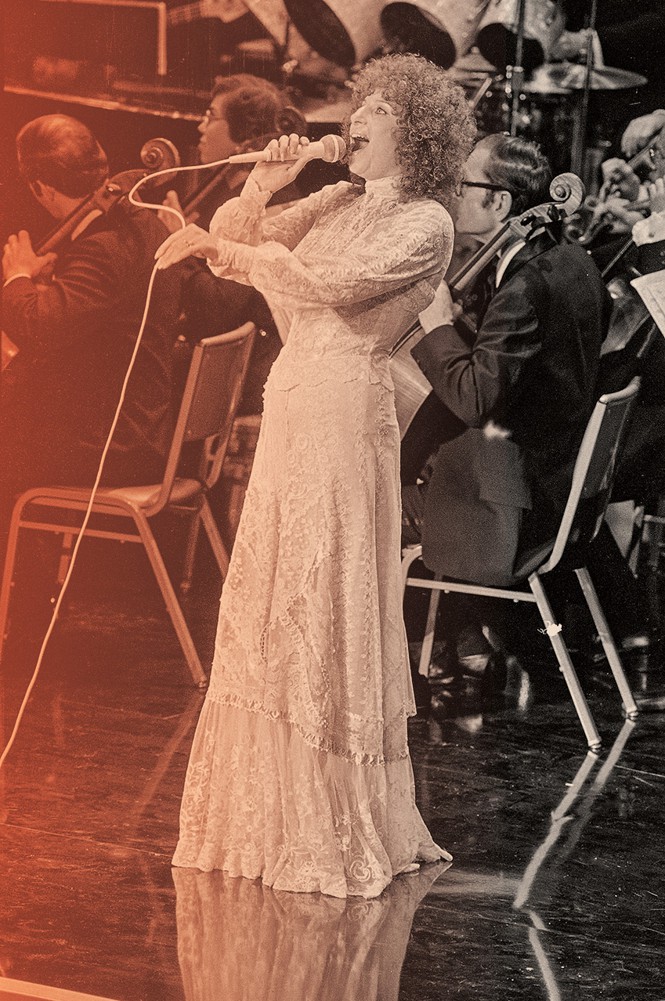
[{"x": 555, "y": 891}]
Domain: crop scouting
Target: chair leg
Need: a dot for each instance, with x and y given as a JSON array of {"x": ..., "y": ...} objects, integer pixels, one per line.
[
  {"x": 8, "y": 571},
  {"x": 214, "y": 538},
  {"x": 652, "y": 533},
  {"x": 171, "y": 600},
  {"x": 565, "y": 664},
  {"x": 428, "y": 638},
  {"x": 409, "y": 555},
  {"x": 635, "y": 546},
  {"x": 190, "y": 553},
  {"x": 609, "y": 646}
]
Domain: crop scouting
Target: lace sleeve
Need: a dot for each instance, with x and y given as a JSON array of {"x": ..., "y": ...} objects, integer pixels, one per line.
[
  {"x": 400, "y": 245},
  {"x": 243, "y": 219}
]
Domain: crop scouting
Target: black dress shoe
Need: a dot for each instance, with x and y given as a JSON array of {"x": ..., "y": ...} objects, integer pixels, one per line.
[
  {"x": 636, "y": 643},
  {"x": 422, "y": 694},
  {"x": 488, "y": 672}
]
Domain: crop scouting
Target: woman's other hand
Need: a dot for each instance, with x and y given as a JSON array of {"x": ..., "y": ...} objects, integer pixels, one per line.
[{"x": 192, "y": 241}]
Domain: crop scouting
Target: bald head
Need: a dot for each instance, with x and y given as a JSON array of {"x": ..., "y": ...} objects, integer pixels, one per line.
[{"x": 62, "y": 152}]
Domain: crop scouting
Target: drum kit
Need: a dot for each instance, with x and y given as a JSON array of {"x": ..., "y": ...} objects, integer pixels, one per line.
[{"x": 499, "y": 51}]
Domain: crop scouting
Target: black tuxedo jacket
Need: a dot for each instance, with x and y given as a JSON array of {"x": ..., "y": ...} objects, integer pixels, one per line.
[
  {"x": 523, "y": 392},
  {"x": 75, "y": 336}
]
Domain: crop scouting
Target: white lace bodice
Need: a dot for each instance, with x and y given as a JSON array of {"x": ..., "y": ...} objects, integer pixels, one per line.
[{"x": 344, "y": 271}]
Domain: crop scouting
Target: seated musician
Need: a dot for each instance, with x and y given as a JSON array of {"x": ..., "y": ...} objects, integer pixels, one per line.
[
  {"x": 624, "y": 196},
  {"x": 641, "y": 469},
  {"x": 515, "y": 396},
  {"x": 244, "y": 113},
  {"x": 74, "y": 317},
  {"x": 633, "y": 206}
]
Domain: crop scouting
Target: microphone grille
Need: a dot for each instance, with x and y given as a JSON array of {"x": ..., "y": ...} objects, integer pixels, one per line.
[{"x": 334, "y": 148}]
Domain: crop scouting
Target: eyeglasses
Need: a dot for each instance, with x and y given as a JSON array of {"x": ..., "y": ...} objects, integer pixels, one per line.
[
  {"x": 210, "y": 115},
  {"x": 478, "y": 184}
]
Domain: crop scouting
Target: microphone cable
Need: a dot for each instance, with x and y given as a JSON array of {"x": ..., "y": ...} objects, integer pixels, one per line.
[
  {"x": 123, "y": 392},
  {"x": 158, "y": 207},
  {"x": 84, "y": 524},
  {"x": 162, "y": 173}
]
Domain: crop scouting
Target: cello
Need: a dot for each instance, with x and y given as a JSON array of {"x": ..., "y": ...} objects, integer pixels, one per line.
[
  {"x": 156, "y": 154},
  {"x": 411, "y": 386}
]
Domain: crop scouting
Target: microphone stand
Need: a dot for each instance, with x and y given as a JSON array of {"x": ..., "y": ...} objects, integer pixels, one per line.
[{"x": 517, "y": 71}]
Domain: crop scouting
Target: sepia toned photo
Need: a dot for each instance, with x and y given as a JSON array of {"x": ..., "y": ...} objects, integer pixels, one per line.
[{"x": 332, "y": 500}]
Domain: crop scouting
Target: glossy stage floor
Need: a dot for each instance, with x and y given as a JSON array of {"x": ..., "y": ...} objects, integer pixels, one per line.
[{"x": 556, "y": 890}]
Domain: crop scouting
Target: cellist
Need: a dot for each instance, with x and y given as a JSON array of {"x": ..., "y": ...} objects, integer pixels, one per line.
[
  {"x": 515, "y": 397},
  {"x": 74, "y": 316}
]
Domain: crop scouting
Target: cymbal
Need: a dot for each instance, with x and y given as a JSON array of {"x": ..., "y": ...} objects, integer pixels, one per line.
[
  {"x": 561, "y": 78},
  {"x": 472, "y": 62}
]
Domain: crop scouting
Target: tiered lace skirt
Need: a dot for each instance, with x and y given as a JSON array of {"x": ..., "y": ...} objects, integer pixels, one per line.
[{"x": 299, "y": 772}]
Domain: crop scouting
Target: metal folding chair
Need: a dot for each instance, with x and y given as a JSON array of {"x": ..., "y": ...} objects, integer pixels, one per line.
[
  {"x": 210, "y": 400},
  {"x": 585, "y": 508}
]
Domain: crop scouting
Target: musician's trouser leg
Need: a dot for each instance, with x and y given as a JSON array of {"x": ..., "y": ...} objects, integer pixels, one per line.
[{"x": 461, "y": 617}]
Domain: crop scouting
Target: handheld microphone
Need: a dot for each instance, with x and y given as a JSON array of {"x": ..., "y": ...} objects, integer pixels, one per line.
[{"x": 330, "y": 148}]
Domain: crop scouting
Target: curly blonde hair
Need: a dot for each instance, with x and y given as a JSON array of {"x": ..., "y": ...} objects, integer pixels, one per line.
[{"x": 436, "y": 127}]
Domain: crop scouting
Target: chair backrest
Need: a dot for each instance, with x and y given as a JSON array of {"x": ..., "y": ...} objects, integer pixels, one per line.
[
  {"x": 594, "y": 472},
  {"x": 212, "y": 393}
]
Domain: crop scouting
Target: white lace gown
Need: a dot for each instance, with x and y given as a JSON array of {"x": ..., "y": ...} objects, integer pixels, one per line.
[{"x": 300, "y": 771}]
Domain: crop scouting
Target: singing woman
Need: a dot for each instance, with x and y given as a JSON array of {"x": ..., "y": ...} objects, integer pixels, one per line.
[{"x": 300, "y": 771}]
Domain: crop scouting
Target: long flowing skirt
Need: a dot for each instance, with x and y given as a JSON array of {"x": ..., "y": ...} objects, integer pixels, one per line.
[{"x": 299, "y": 772}]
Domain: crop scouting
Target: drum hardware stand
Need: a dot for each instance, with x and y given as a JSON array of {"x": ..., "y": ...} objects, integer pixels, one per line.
[
  {"x": 480, "y": 92},
  {"x": 577, "y": 164},
  {"x": 287, "y": 65},
  {"x": 515, "y": 74}
]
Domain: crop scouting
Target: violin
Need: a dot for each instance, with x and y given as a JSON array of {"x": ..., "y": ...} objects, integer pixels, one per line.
[
  {"x": 595, "y": 215},
  {"x": 156, "y": 154},
  {"x": 411, "y": 386}
]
